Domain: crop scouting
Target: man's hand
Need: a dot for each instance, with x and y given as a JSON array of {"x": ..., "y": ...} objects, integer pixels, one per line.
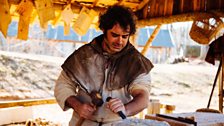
[
  {"x": 116, "y": 105},
  {"x": 84, "y": 110}
]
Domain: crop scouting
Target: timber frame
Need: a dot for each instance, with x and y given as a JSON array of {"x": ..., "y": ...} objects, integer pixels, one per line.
[{"x": 146, "y": 17}]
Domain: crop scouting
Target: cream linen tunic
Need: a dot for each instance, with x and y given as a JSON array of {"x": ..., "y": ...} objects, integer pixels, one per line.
[{"x": 65, "y": 88}]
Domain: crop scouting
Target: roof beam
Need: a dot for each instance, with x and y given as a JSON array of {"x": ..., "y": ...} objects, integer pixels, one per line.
[
  {"x": 147, "y": 45},
  {"x": 177, "y": 18},
  {"x": 14, "y": 1}
]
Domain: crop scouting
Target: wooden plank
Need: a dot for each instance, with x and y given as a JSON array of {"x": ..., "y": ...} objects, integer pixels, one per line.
[
  {"x": 184, "y": 6},
  {"x": 187, "y": 6},
  {"x": 152, "y": 10},
  {"x": 5, "y": 18},
  {"x": 145, "y": 11},
  {"x": 212, "y": 4},
  {"x": 156, "y": 9},
  {"x": 169, "y": 9},
  {"x": 222, "y": 5},
  {"x": 196, "y": 5},
  {"x": 25, "y": 9},
  {"x": 7, "y": 104},
  {"x": 165, "y": 7},
  {"x": 181, "y": 6},
  {"x": 175, "y": 6},
  {"x": 161, "y": 7},
  {"x": 202, "y": 5},
  {"x": 57, "y": 18}
]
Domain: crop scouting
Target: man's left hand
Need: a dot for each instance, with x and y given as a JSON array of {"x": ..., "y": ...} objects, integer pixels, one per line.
[{"x": 116, "y": 105}]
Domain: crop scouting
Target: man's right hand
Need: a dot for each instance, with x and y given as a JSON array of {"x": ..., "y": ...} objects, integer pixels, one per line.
[{"x": 84, "y": 110}]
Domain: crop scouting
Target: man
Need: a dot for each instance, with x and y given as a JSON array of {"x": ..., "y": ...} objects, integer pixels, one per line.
[{"x": 109, "y": 65}]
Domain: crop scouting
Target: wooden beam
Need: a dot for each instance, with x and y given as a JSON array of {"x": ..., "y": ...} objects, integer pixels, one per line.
[
  {"x": 147, "y": 21},
  {"x": 95, "y": 3},
  {"x": 147, "y": 45},
  {"x": 176, "y": 18},
  {"x": 14, "y": 1},
  {"x": 56, "y": 19},
  {"x": 221, "y": 86},
  {"x": 7, "y": 104},
  {"x": 142, "y": 4}
]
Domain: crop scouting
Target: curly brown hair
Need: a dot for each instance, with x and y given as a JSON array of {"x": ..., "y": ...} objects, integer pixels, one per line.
[{"x": 118, "y": 14}]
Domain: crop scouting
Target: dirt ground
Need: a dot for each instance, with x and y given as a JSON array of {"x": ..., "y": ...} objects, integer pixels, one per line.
[{"x": 186, "y": 85}]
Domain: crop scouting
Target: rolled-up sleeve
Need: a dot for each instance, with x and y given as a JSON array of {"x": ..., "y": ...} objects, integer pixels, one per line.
[
  {"x": 64, "y": 88},
  {"x": 143, "y": 81}
]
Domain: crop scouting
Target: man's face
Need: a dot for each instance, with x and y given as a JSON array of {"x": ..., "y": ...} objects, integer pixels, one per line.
[{"x": 115, "y": 39}]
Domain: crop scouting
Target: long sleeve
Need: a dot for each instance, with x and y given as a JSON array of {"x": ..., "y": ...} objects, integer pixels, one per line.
[
  {"x": 64, "y": 88},
  {"x": 143, "y": 81}
]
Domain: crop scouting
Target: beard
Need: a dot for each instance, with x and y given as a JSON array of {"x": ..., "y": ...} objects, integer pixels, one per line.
[{"x": 107, "y": 47}]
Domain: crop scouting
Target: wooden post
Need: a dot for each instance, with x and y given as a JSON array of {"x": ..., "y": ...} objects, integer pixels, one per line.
[
  {"x": 221, "y": 79},
  {"x": 155, "y": 32},
  {"x": 133, "y": 39}
]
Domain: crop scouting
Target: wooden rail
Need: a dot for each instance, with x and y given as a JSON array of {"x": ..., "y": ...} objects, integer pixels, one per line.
[{"x": 30, "y": 102}]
